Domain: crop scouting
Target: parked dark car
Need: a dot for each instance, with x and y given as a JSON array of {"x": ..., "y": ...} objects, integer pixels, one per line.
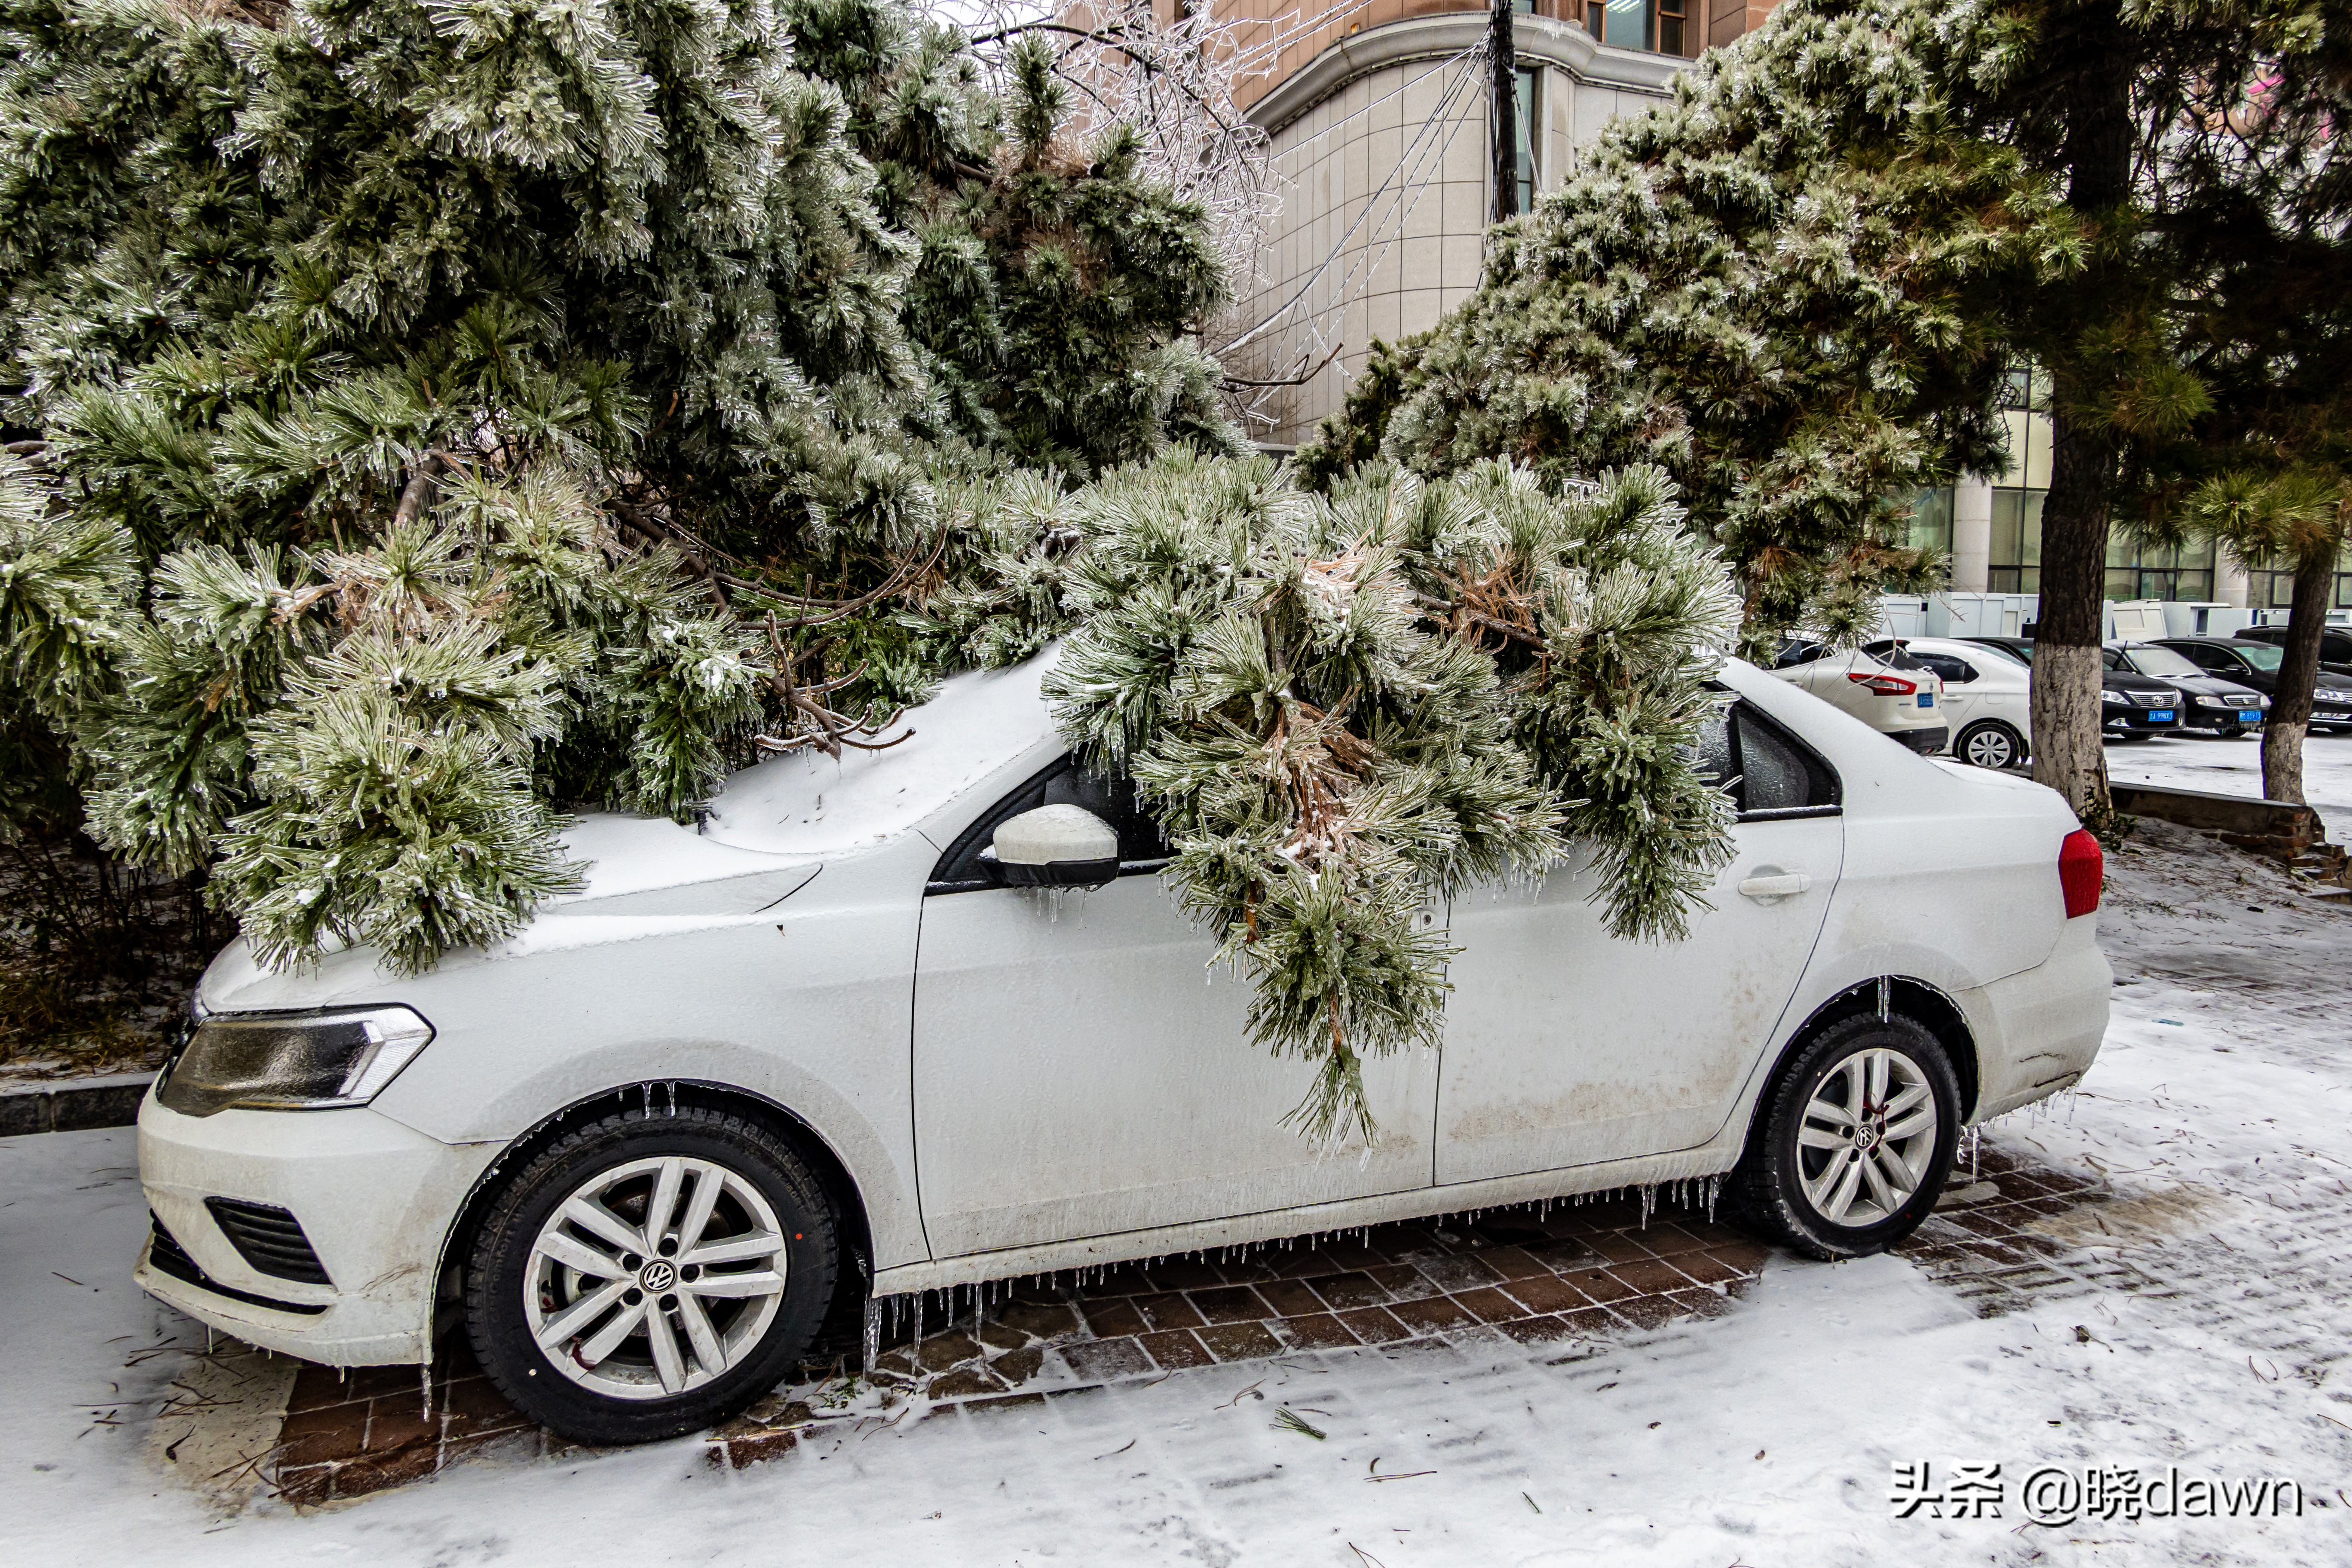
[
  {"x": 2228, "y": 708},
  {"x": 2018, "y": 649},
  {"x": 2256, "y": 664},
  {"x": 2131, "y": 707},
  {"x": 2334, "y": 645}
]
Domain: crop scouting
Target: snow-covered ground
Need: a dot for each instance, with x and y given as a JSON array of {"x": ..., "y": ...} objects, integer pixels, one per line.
[
  {"x": 2235, "y": 767},
  {"x": 2221, "y": 1110}
]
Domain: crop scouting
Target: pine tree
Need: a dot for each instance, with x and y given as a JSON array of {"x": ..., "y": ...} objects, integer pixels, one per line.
[
  {"x": 1784, "y": 289},
  {"x": 2196, "y": 350},
  {"x": 1345, "y": 709},
  {"x": 434, "y": 419},
  {"x": 427, "y": 418},
  {"x": 1795, "y": 288}
]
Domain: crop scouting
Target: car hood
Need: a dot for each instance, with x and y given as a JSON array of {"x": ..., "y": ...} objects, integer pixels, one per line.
[
  {"x": 769, "y": 832},
  {"x": 2207, "y": 685},
  {"x": 2125, "y": 680}
]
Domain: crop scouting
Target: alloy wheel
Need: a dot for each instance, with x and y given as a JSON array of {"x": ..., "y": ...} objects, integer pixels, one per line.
[
  {"x": 655, "y": 1277},
  {"x": 1868, "y": 1139}
]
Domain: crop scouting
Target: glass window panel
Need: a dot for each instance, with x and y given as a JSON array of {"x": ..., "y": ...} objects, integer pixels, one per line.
[
  {"x": 1529, "y": 100},
  {"x": 2008, "y": 524},
  {"x": 2037, "y": 451},
  {"x": 2013, "y": 421},
  {"x": 1773, "y": 776},
  {"x": 1627, "y": 24},
  {"x": 1931, "y": 521}
]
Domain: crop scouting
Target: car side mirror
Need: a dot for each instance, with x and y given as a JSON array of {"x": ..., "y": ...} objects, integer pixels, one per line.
[{"x": 1053, "y": 847}]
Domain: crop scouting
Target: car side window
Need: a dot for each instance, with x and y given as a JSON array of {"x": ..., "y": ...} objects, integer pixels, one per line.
[
  {"x": 2211, "y": 657},
  {"x": 1769, "y": 771},
  {"x": 1954, "y": 672},
  {"x": 1797, "y": 653},
  {"x": 1142, "y": 848}
]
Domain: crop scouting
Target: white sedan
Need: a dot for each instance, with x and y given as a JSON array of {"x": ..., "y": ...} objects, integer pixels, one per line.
[
  {"x": 1891, "y": 693},
  {"x": 1988, "y": 697},
  {"x": 852, "y": 1037}
]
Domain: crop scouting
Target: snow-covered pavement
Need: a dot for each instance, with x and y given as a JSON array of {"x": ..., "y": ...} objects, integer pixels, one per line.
[
  {"x": 2221, "y": 1112},
  {"x": 2235, "y": 767}
]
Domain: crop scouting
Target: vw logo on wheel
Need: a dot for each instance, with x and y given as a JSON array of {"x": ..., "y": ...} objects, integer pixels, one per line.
[{"x": 660, "y": 1274}]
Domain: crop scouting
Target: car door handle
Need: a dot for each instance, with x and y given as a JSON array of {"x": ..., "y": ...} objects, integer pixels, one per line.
[{"x": 1778, "y": 885}]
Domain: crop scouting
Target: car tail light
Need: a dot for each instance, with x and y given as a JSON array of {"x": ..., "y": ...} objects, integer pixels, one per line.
[
  {"x": 1884, "y": 685},
  {"x": 2081, "y": 867}
]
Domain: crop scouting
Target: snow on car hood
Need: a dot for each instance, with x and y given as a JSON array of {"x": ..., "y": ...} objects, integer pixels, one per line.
[{"x": 806, "y": 802}]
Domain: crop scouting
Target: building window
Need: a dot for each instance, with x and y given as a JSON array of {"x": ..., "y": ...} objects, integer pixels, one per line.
[
  {"x": 1931, "y": 525},
  {"x": 2014, "y": 562},
  {"x": 1623, "y": 23},
  {"x": 2134, "y": 572},
  {"x": 2275, "y": 590},
  {"x": 1664, "y": 26},
  {"x": 1530, "y": 102},
  {"x": 1670, "y": 27}
]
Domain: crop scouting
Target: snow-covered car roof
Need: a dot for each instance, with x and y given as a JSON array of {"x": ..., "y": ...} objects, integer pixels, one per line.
[{"x": 805, "y": 802}]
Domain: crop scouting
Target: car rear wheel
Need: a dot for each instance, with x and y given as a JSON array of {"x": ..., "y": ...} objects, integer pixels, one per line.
[
  {"x": 1989, "y": 744},
  {"x": 1852, "y": 1144},
  {"x": 649, "y": 1275}
]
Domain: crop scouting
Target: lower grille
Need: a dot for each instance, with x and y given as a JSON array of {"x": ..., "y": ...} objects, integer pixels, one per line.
[
  {"x": 270, "y": 1238},
  {"x": 171, "y": 1258}
]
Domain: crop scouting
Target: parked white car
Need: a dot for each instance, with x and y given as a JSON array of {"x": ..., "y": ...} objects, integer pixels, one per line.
[
  {"x": 1894, "y": 694},
  {"x": 1987, "y": 697},
  {"x": 829, "y": 1043}
]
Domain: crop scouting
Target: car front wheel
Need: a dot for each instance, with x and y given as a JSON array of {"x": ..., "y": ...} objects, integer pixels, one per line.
[
  {"x": 1854, "y": 1142},
  {"x": 649, "y": 1275},
  {"x": 1990, "y": 744}
]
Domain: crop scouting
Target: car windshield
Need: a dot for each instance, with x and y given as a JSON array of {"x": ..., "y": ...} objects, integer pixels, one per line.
[
  {"x": 807, "y": 802},
  {"x": 2161, "y": 661},
  {"x": 2262, "y": 656}
]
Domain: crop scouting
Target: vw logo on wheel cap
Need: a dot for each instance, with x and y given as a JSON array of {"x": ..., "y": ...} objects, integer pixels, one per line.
[{"x": 660, "y": 1274}]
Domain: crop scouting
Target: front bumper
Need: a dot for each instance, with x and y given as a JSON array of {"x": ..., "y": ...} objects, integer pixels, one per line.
[
  {"x": 375, "y": 1199},
  {"x": 2115, "y": 717}
]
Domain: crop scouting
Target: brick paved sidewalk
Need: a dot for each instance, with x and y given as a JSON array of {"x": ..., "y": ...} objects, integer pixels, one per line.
[{"x": 1581, "y": 1272}]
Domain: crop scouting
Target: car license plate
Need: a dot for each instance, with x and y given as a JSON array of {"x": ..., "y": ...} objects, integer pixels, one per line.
[
  {"x": 1926, "y": 700},
  {"x": 2160, "y": 715},
  {"x": 2250, "y": 715}
]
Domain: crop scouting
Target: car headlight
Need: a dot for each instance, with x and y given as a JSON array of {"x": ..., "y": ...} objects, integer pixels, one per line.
[
  {"x": 292, "y": 1061},
  {"x": 2219, "y": 702}
]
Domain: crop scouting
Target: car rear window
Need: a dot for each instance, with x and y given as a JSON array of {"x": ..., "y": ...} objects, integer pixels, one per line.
[{"x": 1767, "y": 771}]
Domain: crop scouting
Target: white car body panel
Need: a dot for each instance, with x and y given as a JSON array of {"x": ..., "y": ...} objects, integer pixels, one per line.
[
  {"x": 1053, "y": 1099},
  {"x": 2001, "y": 691},
  {"x": 1560, "y": 1050},
  {"x": 1831, "y": 679},
  {"x": 1010, "y": 1090}
]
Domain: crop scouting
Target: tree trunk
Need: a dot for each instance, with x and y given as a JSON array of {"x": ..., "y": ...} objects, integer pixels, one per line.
[
  {"x": 1502, "y": 56},
  {"x": 2298, "y": 673},
  {"x": 2097, "y": 154},
  {"x": 2068, "y": 753}
]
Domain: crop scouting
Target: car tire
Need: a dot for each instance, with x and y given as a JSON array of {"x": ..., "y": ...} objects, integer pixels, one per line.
[
  {"x": 1831, "y": 1192},
  {"x": 2001, "y": 747},
  {"x": 677, "y": 1344}
]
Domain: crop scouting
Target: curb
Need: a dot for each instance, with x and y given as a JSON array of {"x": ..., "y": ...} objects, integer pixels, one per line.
[{"x": 73, "y": 1107}]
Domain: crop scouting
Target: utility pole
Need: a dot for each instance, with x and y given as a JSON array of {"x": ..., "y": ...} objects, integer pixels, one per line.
[{"x": 1504, "y": 55}]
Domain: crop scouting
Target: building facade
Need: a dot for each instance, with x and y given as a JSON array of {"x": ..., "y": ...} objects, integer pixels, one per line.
[
  {"x": 1992, "y": 530},
  {"x": 1380, "y": 124}
]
